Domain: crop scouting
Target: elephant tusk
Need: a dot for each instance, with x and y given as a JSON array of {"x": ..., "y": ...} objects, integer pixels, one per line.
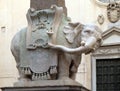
[
  {"x": 81, "y": 49},
  {"x": 91, "y": 42},
  {"x": 83, "y": 43}
]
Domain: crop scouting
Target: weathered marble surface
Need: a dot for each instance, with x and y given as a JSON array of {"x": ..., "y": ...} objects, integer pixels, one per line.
[
  {"x": 49, "y": 49},
  {"x": 45, "y": 4},
  {"x": 46, "y": 88}
]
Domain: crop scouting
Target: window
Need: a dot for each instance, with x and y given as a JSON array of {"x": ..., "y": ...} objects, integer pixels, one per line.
[{"x": 108, "y": 74}]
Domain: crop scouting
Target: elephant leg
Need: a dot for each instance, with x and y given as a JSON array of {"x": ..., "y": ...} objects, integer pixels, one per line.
[
  {"x": 72, "y": 70},
  {"x": 73, "y": 75},
  {"x": 76, "y": 60},
  {"x": 22, "y": 76},
  {"x": 63, "y": 67}
]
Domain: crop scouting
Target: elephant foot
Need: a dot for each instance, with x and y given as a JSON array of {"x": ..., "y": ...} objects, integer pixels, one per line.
[
  {"x": 73, "y": 76},
  {"x": 24, "y": 79},
  {"x": 64, "y": 78},
  {"x": 68, "y": 81}
]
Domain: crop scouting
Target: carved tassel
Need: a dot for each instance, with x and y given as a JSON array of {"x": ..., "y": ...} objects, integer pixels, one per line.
[
  {"x": 25, "y": 70},
  {"x": 53, "y": 70},
  {"x": 33, "y": 76},
  {"x": 22, "y": 70},
  {"x": 44, "y": 76},
  {"x": 48, "y": 75},
  {"x": 40, "y": 76},
  {"x": 29, "y": 72}
]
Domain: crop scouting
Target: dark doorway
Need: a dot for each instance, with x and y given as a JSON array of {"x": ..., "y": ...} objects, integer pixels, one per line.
[{"x": 108, "y": 74}]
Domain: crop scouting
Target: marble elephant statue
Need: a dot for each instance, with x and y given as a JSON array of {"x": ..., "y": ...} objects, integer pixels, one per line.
[
  {"x": 50, "y": 47},
  {"x": 74, "y": 40}
]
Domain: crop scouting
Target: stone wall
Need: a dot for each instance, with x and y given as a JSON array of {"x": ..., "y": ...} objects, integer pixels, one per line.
[{"x": 13, "y": 18}]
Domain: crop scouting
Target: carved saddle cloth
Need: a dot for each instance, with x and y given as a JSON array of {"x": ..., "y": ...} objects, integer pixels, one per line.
[{"x": 35, "y": 56}]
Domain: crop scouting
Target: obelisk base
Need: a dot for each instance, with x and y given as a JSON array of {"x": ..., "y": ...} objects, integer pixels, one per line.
[
  {"x": 47, "y": 85},
  {"x": 46, "y": 88}
]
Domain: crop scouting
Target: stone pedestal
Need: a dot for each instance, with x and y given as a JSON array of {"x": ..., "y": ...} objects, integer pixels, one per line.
[
  {"x": 46, "y": 88},
  {"x": 48, "y": 85}
]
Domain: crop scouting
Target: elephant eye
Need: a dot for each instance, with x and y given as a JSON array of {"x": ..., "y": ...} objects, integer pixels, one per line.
[{"x": 87, "y": 31}]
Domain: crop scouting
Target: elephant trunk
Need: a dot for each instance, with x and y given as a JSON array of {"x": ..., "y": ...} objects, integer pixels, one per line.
[
  {"x": 81, "y": 49},
  {"x": 86, "y": 48}
]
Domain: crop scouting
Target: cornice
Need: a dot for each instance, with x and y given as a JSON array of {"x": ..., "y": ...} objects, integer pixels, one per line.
[{"x": 101, "y": 3}]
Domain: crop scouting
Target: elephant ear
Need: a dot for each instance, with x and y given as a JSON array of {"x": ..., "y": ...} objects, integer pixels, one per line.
[{"x": 72, "y": 30}]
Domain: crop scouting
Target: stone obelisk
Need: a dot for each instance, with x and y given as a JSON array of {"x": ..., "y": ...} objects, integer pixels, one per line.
[{"x": 45, "y": 4}]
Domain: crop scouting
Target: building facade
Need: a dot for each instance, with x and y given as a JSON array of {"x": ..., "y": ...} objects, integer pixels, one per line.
[{"x": 13, "y": 18}]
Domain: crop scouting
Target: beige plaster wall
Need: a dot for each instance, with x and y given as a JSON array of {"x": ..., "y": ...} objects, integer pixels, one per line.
[
  {"x": 87, "y": 11},
  {"x": 13, "y": 18}
]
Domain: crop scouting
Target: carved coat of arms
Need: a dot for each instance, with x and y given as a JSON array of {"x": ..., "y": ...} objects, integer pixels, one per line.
[{"x": 113, "y": 12}]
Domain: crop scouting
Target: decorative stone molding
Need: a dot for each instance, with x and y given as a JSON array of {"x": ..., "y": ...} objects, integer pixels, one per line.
[
  {"x": 111, "y": 33},
  {"x": 109, "y": 48},
  {"x": 108, "y": 1},
  {"x": 103, "y": 2},
  {"x": 100, "y": 19},
  {"x": 113, "y": 12},
  {"x": 100, "y": 3},
  {"x": 106, "y": 51}
]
